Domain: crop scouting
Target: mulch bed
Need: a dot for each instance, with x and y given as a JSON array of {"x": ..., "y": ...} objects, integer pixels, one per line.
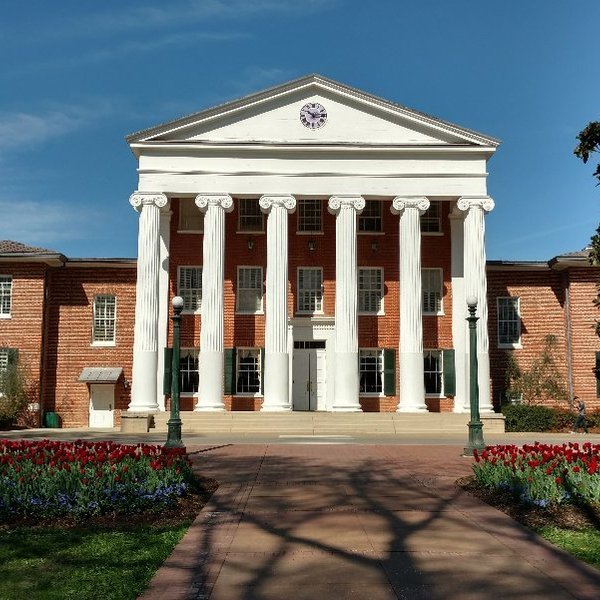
[
  {"x": 185, "y": 511},
  {"x": 565, "y": 516}
]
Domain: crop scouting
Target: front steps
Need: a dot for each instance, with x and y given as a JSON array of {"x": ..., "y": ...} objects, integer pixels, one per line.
[{"x": 325, "y": 423}]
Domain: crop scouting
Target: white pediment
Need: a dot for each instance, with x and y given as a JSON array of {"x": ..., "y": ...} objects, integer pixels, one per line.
[{"x": 273, "y": 117}]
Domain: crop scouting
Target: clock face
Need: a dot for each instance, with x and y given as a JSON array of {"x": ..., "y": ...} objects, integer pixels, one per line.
[{"x": 313, "y": 115}]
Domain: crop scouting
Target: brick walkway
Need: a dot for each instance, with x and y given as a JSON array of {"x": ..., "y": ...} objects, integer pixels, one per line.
[{"x": 336, "y": 522}]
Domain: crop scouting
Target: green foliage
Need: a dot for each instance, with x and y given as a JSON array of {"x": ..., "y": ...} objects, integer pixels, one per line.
[
  {"x": 589, "y": 142},
  {"x": 543, "y": 381},
  {"x": 585, "y": 545},
  {"x": 13, "y": 392},
  {"x": 523, "y": 417}
]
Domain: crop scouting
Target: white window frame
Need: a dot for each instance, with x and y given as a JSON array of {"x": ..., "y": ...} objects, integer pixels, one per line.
[
  {"x": 258, "y": 370},
  {"x": 425, "y": 291},
  {"x": 516, "y": 321},
  {"x": 3, "y": 359},
  {"x": 302, "y": 204},
  {"x": 378, "y": 352},
  {"x": 182, "y": 226},
  {"x": 104, "y": 319},
  {"x": 258, "y": 288},
  {"x": 439, "y": 371},
  {"x": 378, "y": 218},
  {"x": 428, "y": 218},
  {"x": 243, "y": 204},
  {"x": 318, "y": 304},
  {"x": 186, "y": 353},
  {"x": 189, "y": 293},
  {"x": 6, "y": 288},
  {"x": 370, "y": 291}
]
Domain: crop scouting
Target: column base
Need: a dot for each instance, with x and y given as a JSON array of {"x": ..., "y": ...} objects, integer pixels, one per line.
[{"x": 209, "y": 408}]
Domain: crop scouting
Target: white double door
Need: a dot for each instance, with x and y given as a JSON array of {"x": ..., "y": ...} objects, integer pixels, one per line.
[
  {"x": 308, "y": 375},
  {"x": 102, "y": 401}
]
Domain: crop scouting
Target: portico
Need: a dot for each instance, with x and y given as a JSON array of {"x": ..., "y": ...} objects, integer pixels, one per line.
[{"x": 312, "y": 249}]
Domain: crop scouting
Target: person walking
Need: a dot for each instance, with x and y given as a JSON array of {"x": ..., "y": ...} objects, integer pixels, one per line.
[{"x": 580, "y": 420}]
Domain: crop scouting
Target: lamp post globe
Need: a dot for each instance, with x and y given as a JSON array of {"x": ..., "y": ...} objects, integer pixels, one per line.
[{"x": 174, "y": 422}]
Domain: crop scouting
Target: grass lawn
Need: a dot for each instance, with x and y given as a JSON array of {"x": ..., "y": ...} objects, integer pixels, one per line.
[
  {"x": 55, "y": 564},
  {"x": 584, "y": 545}
]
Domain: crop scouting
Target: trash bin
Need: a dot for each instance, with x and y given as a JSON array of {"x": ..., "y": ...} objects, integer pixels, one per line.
[{"x": 52, "y": 420}]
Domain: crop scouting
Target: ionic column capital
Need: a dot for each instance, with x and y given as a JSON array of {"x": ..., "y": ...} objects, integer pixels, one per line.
[
  {"x": 466, "y": 203},
  {"x": 268, "y": 202},
  {"x": 336, "y": 203},
  {"x": 140, "y": 199},
  {"x": 400, "y": 204},
  {"x": 224, "y": 201}
]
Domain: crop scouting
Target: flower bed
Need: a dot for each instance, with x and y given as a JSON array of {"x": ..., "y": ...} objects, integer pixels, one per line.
[
  {"x": 50, "y": 478},
  {"x": 542, "y": 474}
]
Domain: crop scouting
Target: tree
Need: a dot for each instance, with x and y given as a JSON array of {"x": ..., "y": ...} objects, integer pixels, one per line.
[
  {"x": 589, "y": 142},
  {"x": 13, "y": 393}
]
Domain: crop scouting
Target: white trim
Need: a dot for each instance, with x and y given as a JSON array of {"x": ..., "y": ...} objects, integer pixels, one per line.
[
  {"x": 381, "y": 394},
  {"x": 113, "y": 341},
  {"x": 508, "y": 345},
  {"x": 9, "y": 279}
]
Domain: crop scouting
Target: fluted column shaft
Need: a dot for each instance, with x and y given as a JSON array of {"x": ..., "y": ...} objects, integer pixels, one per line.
[
  {"x": 346, "y": 386},
  {"x": 276, "y": 370},
  {"x": 210, "y": 363},
  {"x": 476, "y": 285},
  {"x": 145, "y": 337},
  {"x": 412, "y": 385}
]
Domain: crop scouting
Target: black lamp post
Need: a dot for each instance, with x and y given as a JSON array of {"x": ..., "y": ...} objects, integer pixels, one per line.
[
  {"x": 174, "y": 423},
  {"x": 475, "y": 425}
]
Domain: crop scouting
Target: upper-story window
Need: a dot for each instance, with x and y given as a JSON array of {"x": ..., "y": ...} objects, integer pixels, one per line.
[
  {"x": 370, "y": 218},
  {"x": 191, "y": 219},
  {"x": 105, "y": 320},
  {"x": 5, "y": 295},
  {"x": 3, "y": 359},
  {"x": 310, "y": 290},
  {"x": 249, "y": 289},
  {"x": 509, "y": 321},
  {"x": 432, "y": 291},
  {"x": 190, "y": 288},
  {"x": 431, "y": 219},
  {"x": 250, "y": 215},
  {"x": 309, "y": 216},
  {"x": 370, "y": 290}
]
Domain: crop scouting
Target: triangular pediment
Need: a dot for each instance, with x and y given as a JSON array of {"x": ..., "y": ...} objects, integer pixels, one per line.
[{"x": 274, "y": 117}]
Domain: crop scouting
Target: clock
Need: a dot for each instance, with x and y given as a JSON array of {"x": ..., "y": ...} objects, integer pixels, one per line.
[{"x": 313, "y": 115}]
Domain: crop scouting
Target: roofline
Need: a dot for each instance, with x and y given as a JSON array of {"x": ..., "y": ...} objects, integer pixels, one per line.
[
  {"x": 296, "y": 84},
  {"x": 122, "y": 263},
  {"x": 54, "y": 258}
]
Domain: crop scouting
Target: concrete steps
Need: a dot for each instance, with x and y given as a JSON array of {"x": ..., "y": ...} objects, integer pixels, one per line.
[{"x": 324, "y": 423}]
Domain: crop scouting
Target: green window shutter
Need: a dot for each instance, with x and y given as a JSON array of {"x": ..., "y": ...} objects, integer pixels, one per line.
[
  {"x": 389, "y": 371},
  {"x": 168, "y": 359},
  {"x": 597, "y": 370},
  {"x": 13, "y": 356},
  {"x": 449, "y": 372},
  {"x": 229, "y": 371},
  {"x": 262, "y": 370}
]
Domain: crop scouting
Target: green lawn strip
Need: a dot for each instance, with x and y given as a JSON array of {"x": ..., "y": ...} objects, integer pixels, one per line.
[
  {"x": 54, "y": 564},
  {"x": 584, "y": 545}
]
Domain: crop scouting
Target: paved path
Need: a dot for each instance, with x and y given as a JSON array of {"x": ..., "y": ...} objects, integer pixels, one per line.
[{"x": 335, "y": 522}]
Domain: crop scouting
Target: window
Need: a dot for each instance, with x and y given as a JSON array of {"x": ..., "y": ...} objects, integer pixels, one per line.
[
  {"x": 370, "y": 290},
  {"x": 370, "y": 218},
  {"x": 188, "y": 371},
  {"x": 249, "y": 289},
  {"x": 432, "y": 368},
  {"x": 5, "y": 295},
  {"x": 191, "y": 219},
  {"x": 310, "y": 290},
  {"x": 250, "y": 215},
  {"x": 431, "y": 221},
  {"x": 309, "y": 216},
  {"x": 105, "y": 318},
  {"x": 190, "y": 288},
  {"x": 509, "y": 321},
  {"x": 432, "y": 291},
  {"x": 371, "y": 371},
  {"x": 248, "y": 371},
  {"x": 3, "y": 359}
]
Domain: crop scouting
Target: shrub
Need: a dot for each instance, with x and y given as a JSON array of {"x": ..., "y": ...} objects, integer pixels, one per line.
[
  {"x": 524, "y": 417},
  {"x": 13, "y": 393}
]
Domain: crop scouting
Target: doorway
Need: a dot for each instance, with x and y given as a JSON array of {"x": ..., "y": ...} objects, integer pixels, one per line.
[
  {"x": 102, "y": 399},
  {"x": 308, "y": 375}
]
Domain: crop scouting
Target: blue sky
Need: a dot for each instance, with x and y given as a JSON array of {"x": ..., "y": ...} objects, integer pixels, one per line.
[{"x": 76, "y": 77}]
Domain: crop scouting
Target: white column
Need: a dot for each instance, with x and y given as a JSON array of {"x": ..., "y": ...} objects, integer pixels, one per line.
[
  {"x": 163, "y": 300},
  {"x": 412, "y": 384},
  {"x": 276, "y": 370},
  {"x": 346, "y": 385},
  {"x": 210, "y": 386},
  {"x": 145, "y": 337},
  {"x": 476, "y": 285},
  {"x": 459, "y": 312}
]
